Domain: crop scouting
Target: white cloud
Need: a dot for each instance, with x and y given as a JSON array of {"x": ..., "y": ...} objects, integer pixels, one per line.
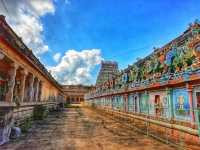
[
  {"x": 75, "y": 67},
  {"x": 24, "y": 17},
  {"x": 56, "y": 57},
  {"x": 42, "y": 7}
]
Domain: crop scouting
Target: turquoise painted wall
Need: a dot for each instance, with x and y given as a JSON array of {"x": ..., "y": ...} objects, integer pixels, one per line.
[
  {"x": 181, "y": 104},
  {"x": 130, "y": 103},
  {"x": 118, "y": 103},
  {"x": 133, "y": 105},
  {"x": 144, "y": 103},
  {"x": 121, "y": 102}
]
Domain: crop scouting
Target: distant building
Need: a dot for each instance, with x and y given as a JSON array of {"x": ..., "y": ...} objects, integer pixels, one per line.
[
  {"x": 107, "y": 71},
  {"x": 74, "y": 94}
]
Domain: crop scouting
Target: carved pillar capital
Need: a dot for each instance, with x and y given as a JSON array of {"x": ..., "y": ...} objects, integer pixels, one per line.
[
  {"x": 14, "y": 65},
  {"x": 23, "y": 72}
]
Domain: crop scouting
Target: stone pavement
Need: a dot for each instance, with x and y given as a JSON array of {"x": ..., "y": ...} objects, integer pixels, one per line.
[{"x": 82, "y": 129}]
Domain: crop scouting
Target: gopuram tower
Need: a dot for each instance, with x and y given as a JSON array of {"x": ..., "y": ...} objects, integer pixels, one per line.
[{"x": 107, "y": 71}]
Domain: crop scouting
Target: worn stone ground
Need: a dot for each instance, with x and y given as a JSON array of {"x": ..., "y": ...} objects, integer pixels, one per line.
[{"x": 83, "y": 129}]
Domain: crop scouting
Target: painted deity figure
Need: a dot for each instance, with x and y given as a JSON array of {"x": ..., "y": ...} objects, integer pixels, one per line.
[
  {"x": 149, "y": 67},
  {"x": 133, "y": 73},
  {"x": 178, "y": 61},
  {"x": 181, "y": 102},
  {"x": 158, "y": 105},
  {"x": 170, "y": 58}
]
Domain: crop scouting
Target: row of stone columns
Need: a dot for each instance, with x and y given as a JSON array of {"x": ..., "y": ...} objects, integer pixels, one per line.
[{"x": 34, "y": 92}]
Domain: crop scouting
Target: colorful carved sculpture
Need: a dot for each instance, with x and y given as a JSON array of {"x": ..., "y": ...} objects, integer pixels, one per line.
[
  {"x": 169, "y": 60},
  {"x": 149, "y": 67},
  {"x": 141, "y": 73},
  {"x": 188, "y": 58},
  {"x": 170, "y": 56},
  {"x": 133, "y": 73},
  {"x": 194, "y": 44},
  {"x": 178, "y": 61}
]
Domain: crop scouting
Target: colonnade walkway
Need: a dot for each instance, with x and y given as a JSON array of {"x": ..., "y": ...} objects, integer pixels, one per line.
[{"x": 85, "y": 129}]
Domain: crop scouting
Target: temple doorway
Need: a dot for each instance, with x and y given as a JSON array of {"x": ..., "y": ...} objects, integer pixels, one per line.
[{"x": 157, "y": 105}]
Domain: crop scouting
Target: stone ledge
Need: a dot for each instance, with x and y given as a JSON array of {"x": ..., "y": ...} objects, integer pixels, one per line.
[{"x": 12, "y": 104}]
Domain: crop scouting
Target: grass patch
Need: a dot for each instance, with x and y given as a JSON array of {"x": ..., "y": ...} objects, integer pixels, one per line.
[
  {"x": 80, "y": 112},
  {"x": 40, "y": 112},
  {"x": 26, "y": 125},
  {"x": 70, "y": 106}
]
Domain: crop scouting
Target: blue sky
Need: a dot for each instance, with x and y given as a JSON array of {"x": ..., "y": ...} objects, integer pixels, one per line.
[{"x": 122, "y": 30}]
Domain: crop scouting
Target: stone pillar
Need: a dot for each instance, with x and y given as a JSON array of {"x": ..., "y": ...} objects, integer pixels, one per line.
[
  {"x": 78, "y": 99},
  {"x": 148, "y": 102},
  {"x": 22, "y": 84},
  {"x": 126, "y": 102},
  {"x": 11, "y": 82},
  {"x": 37, "y": 90},
  {"x": 170, "y": 102},
  {"x": 31, "y": 90},
  {"x": 189, "y": 88},
  {"x": 112, "y": 102}
]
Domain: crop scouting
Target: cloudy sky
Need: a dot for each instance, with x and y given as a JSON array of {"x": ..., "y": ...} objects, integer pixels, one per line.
[{"x": 71, "y": 37}]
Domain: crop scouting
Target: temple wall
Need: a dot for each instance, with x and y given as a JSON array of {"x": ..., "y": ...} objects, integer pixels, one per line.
[{"x": 48, "y": 92}]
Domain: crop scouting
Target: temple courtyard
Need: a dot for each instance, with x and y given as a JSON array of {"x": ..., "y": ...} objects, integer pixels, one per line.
[{"x": 82, "y": 128}]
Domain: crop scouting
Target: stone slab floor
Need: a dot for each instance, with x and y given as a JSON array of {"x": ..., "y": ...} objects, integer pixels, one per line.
[{"x": 82, "y": 129}]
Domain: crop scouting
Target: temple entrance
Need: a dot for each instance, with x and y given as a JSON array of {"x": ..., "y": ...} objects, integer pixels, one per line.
[{"x": 157, "y": 105}]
